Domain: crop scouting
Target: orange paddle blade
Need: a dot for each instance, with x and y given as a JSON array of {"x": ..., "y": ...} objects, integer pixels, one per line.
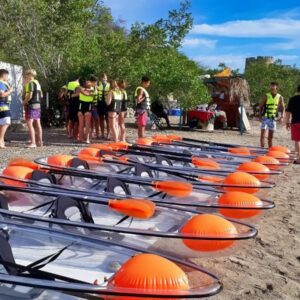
[
  {"x": 150, "y": 272},
  {"x": 213, "y": 179},
  {"x": 94, "y": 152},
  {"x": 205, "y": 163},
  {"x": 162, "y": 139},
  {"x": 244, "y": 182},
  {"x": 252, "y": 166},
  {"x": 280, "y": 148},
  {"x": 144, "y": 141},
  {"x": 60, "y": 160},
  {"x": 270, "y": 161},
  {"x": 175, "y": 137},
  {"x": 174, "y": 188},
  {"x": 16, "y": 172},
  {"x": 240, "y": 150},
  {"x": 24, "y": 163},
  {"x": 104, "y": 147},
  {"x": 119, "y": 146},
  {"x": 237, "y": 199},
  {"x": 137, "y": 208},
  {"x": 212, "y": 226}
]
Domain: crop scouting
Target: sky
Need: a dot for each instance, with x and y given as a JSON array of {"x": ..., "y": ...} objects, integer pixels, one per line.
[{"x": 227, "y": 31}]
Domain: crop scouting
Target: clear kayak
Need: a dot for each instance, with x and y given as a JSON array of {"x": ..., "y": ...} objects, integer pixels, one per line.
[
  {"x": 132, "y": 219},
  {"x": 78, "y": 266},
  {"x": 86, "y": 183}
]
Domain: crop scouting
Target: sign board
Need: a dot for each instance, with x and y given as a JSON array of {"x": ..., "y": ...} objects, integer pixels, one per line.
[
  {"x": 16, "y": 81},
  {"x": 245, "y": 120}
]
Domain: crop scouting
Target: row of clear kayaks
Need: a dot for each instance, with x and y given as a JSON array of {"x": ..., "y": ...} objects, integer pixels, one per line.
[{"x": 121, "y": 221}]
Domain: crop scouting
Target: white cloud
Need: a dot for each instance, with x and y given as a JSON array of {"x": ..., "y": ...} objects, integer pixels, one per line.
[
  {"x": 268, "y": 27},
  {"x": 196, "y": 42}
]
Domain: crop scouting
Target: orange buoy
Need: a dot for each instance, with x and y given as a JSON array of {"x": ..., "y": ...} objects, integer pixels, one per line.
[
  {"x": 212, "y": 226},
  {"x": 278, "y": 154},
  {"x": 137, "y": 208},
  {"x": 174, "y": 188},
  {"x": 240, "y": 150},
  {"x": 261, "y": 171},
  {"x": 150, "y": 272},
  {"x": 205, "y": 163},
  {"x": 270, "y": 161},
  {"x": 244, "y": 182},
  {"x": 17, "y": 172},
  {"x": 280, "y": 148},
  {"x": 24, "y": 163},
  {"x": 174, "y": 137},
  {"x": 144, "y": 141},
  {"x": 104, "y": 147},
  {"x": 59, "y": 160},
  {"x": 214, "y": 179},
  {"x": 237, "y": 199}
]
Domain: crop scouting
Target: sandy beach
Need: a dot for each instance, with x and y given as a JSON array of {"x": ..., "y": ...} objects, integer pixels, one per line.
[{"x": 267, "y": 267}]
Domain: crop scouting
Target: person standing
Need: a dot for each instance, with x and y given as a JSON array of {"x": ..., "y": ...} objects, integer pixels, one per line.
[
  {"x": 268, "y": 110},
  {"x": 292, "y": 120},
  {"x": 123, "y": 112},
  {"x": 142, "y": 101},
  {"x": 64, "y": 100},
  {"x": 104, "y": 88},
  {"x": 32, "y": 102},
  {"x": 5, "y": 95},
  {"x": 86, "y": 98},
  {"x": 73, "y": 96},
  {"x": 95, "y": 116},
  {"x": 114, "y": 102}
]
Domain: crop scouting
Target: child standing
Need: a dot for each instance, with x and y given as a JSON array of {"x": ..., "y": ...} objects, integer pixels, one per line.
[{"x": 32, "y": 103}]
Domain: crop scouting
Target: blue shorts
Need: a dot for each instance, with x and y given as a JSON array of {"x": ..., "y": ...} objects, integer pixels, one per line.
[
  {"x": 268, "y": 124},
  {"x": 95, "y": 112}
]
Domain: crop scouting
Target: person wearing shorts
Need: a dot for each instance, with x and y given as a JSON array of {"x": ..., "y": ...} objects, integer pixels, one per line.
[
  {"x": 32, "y": 103},
  {"x": 95, "y": 116},
  {"x": 103, "y": 89},
  {"x": 86, "y": 98},
  {"x": 114, "y": 102},
  {"x": 142, "y": 100},
  {"x": 73, "y": 96},
  {"x": 292, "y": 120},
  {"x": 272, "y": 102},
  {"x": 123, "y": 112},
  {"x": 5, "y": 95}
]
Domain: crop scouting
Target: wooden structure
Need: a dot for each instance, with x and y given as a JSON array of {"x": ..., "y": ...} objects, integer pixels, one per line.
[{"x": 229, "y": 92}]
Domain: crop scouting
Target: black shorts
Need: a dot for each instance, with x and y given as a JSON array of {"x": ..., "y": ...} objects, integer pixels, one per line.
[
  {"x": 102, "y": 108},
  {"x": 85, "y": 107},
  {"x": 73, "y": 109}
]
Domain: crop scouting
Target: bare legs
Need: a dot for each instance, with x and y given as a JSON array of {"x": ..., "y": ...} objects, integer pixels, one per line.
[
  {"x": 84, "y": 126},
  {"x": 3, "y": 129},
  {"x": 122, "y": 135},
  {"x": 297, "y": 150},
  {"x": 113, "y": 125},
  {"x": 35, "y": 125},
  {"x": 95, "y": 125},
  {"x": 103, "y": 119},
  {"x": 270, "y": 138},
  {"x": 141, "y": 131}
]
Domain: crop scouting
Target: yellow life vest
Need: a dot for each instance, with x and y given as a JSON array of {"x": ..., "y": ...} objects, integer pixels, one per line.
[{"x": 271, "y": 106}]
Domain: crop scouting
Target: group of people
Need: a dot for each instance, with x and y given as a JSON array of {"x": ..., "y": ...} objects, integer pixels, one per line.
[
  {"x": 95, "y": 107},
  {"x": 32, "y": 95},
  {"x": 272, "y": 109}
]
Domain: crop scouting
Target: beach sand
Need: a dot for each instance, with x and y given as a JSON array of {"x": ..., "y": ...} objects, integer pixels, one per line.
[{"x": 266, "y": 267}]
